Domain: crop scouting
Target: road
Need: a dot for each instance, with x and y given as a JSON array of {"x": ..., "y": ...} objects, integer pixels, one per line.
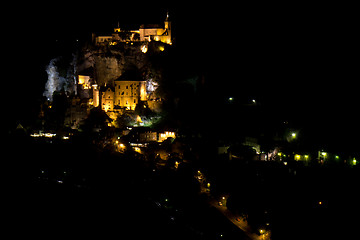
[{"x": 240, "y": 224}]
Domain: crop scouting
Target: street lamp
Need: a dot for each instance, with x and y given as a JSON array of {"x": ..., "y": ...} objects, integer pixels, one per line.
[
  {"x": 262, "y": 233},
  {"x": 323, "y": 155},
  {"x": 291, "y": 136}
]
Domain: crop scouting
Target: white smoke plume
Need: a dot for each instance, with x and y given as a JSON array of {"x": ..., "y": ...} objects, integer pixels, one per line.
[
  {"x": 56, "y": 82},
  {"x": 151, "y": 86}
]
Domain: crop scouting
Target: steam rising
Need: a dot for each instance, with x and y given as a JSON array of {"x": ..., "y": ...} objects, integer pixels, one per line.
[
  {"x": 54, "y": 82},
  {"x": 151, "y": 85}
]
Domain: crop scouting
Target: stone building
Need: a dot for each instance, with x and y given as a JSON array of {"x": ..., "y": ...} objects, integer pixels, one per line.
[{"x": 145, "y": 33}]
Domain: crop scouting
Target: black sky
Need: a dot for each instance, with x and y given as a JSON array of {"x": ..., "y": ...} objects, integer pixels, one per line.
[{"x": 299, "y": 58}]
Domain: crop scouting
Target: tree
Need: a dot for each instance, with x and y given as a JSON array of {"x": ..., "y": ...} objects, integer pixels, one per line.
[
  {"x": 97, "y": 119},
  {"x": 242, "y": 152}
]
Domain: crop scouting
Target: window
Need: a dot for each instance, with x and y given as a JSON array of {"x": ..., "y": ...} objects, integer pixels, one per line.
[{"x": 127, "y": 87}]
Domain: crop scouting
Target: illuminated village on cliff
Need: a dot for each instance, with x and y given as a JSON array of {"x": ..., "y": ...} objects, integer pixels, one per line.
[
  {"x": 115, "y": 75},
  {"x": 119, "y": 73},
  {"x": 128, "y": 108}
]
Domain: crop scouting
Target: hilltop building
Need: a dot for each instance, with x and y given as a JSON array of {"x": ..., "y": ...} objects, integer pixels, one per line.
[
  {"x": 145, "y": 33},
  {"x": 129, "y": 89},
  {"x": 116, "y": 83}
]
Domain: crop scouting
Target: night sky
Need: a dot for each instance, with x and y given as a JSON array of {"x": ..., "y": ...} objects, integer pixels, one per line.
[{"x": 299, "y": 59}]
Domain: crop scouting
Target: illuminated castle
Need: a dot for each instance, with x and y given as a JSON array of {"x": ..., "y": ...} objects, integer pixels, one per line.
[
  {"x": 126, "y": 92},
  {"x": 129, "y": 89},
  {"x": 114, "y": 81},
  {"x": 146, "y": 33}
]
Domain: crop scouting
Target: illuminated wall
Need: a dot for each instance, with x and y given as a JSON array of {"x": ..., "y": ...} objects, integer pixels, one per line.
[
  {"x": 84, "y": 81},
  {"x": 96, "y": 97},
  {"x": 129, "y": 93},
  {"x": 166, "y": 135},
  {"x": 107, "y": 100},
  {"x": 148, "y": 136},
  {"x": 155, "y": 34},
  {"x": 102, "y": 39},
  {"x": 150, "y": 32}
]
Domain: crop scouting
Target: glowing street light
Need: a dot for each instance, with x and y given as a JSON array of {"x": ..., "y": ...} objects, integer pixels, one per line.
[
  {"x": 291, "y": 136},
  {"x": 144, "y": 48},
  {"x": 262, "y": 233},
  {"x": 322, "y": 156}
]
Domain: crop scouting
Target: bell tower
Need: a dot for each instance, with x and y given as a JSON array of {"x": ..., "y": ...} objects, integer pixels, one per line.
[{"x": 168, "y": 28}]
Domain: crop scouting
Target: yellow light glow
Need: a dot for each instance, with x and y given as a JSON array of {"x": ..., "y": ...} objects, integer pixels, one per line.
[
  {"x": 84, "y": 81},
  {"x": 297, "y": 157},
  {"x": 143, "y": 96},
  {"x": 81, "y": 79},
  {"x": 144, "y": 48},
  {"x": 161, "y": 48},
  {"x": 138, "y": 119}
]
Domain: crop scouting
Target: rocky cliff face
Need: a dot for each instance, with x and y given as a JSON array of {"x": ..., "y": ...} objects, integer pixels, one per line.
[
  {"x": 110, "y": 62},
  {"x": 106, "y": 63},
  {"x": 108, "y": 69}
]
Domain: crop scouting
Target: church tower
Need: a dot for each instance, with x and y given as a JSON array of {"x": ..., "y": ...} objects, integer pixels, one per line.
[{"x": 168, "y": 28}]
